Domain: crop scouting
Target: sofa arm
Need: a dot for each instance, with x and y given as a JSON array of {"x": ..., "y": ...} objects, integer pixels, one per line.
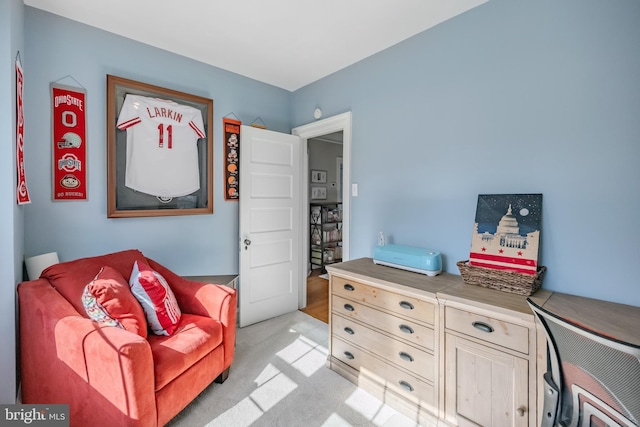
[
  {"x": 67, "y": 358},
  {"x": 205, "y": 299}
]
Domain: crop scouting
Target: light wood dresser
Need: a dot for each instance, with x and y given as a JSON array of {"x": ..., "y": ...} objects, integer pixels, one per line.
[
  {"x": 435, "y": 349},
  {"x": 492, "y": 352}
]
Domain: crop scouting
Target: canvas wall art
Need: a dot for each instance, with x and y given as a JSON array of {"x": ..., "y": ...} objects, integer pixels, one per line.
[{"x": 506, "y": 234}]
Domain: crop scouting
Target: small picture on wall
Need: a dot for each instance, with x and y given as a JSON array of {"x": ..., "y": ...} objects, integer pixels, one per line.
[
  {"x": 319, "y": 193},
  {"x": 318, "y": 176}
]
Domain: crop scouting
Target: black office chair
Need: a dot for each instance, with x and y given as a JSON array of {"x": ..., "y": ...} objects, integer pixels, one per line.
[{"x": 591, "y": 379}]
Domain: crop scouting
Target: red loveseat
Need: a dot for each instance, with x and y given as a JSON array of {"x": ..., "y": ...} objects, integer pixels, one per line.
[{"x": 110, "y": 376}]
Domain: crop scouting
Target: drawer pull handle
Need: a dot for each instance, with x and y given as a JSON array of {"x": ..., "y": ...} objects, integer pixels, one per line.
[
  {"x": 483, "y": 327},
  {"x": 349, "y": 330},
  {"x": 406, "y": 356},
  {"x": 349, "y": 287},
  {"x": 405, "y": 385},
  {"x": 406, "y": 305},
  {"x": 521, "y": 411},
  {"x": 406, "y": 329},
  {"x": 349, "y": 307},
  {"x": 349, "y": 355}
]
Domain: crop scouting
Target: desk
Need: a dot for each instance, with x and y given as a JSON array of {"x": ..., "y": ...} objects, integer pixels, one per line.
[
  {"x": 230, "y": 280},
  {"x": 620, "y": 321}
]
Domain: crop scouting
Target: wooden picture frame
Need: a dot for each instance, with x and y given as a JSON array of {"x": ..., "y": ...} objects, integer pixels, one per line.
[{"x": 124, "y": 202}]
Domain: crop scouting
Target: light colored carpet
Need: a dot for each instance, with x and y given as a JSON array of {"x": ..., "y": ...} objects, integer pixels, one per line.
[{"x": 279, "y": 378}]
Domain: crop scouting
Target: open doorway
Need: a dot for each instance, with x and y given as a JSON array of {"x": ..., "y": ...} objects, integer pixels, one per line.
[
  {"x": 326, "y": 173},
  {"x": 333, "y": 128},
  {"x": 325, "y": 201}
]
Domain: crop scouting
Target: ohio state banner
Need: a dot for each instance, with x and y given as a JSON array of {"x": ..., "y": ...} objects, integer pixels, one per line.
[
  {"x": 69, "y": 143},
  {"x": 22, "y": 191},
  {"x": 231, "y": 158}
]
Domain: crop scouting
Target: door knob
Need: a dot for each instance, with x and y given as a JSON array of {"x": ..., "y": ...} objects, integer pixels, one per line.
[{"x": 247, "y": 242}]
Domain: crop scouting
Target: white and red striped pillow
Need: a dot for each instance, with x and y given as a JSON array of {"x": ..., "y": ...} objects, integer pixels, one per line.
[{"x": 157, "y": 300}]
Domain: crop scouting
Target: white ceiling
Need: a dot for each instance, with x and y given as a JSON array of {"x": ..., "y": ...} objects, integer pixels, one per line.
[{"x": 286, "y": 43}]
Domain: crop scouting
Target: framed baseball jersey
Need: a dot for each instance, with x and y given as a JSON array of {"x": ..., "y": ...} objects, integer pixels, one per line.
[
  {"x": 162, "y": 151},
  {"x": 159, "y": 151}
]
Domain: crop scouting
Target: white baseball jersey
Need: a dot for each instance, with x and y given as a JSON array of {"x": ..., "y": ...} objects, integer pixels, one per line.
[{"x": 162, "y": 149}]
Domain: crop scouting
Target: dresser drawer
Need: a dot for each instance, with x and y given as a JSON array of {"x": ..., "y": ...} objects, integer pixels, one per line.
[
  {"x": 413, "y": 332},
  {"x": 396, "y": 352},
  {"x": 492, "y": 330},
  {"x": 414, "y": 308},
  {"x": 402, "y": 382}
]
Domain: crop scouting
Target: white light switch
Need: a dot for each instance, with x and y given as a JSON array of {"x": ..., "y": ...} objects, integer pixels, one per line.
[{"x": 354, "y": 190}]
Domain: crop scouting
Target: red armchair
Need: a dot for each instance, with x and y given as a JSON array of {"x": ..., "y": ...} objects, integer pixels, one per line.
[{"x": 108, "y": 375}]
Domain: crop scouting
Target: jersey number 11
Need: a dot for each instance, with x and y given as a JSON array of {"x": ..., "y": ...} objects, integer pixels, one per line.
[{"x": 161, "y": 136}]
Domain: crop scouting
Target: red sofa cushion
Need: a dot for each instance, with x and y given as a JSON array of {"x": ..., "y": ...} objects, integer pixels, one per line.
[
  {"x": 195, "y": 337},
  {"x": 108, "y": 299},
  {"x": 69, "y": 278}
]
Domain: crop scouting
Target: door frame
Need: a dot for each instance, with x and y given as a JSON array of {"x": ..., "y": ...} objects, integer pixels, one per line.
[{"x": 340, "y": 122}]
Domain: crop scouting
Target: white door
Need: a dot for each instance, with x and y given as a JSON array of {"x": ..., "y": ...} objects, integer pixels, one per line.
[{"x": 270, "y": 224}]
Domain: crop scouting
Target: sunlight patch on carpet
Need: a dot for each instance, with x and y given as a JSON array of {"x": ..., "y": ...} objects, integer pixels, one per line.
[
  {"x": 295, "y": 350},
  {"x": 273, "y": 386},
  {"x": 283, "y": 380},
  {"x": 241, "y": 415},
  {"x": 273, "y": 391},
  {"x": 305, "y": 355},
  {"x": 336, "y": 420},
  {"x": 370, "y": 407},
  {"x": 267, "y": 373},
  {"x": 311, "y": 362}
]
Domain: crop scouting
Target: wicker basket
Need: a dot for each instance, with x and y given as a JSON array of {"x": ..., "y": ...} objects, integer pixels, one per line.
[{"x": 507, "y": 281}]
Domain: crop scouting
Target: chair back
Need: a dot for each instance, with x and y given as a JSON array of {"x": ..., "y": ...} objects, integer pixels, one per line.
[{"x": 592, "y": 379}]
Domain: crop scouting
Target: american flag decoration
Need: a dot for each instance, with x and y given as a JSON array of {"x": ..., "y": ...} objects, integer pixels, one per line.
[{"x": 506, "y": 234}]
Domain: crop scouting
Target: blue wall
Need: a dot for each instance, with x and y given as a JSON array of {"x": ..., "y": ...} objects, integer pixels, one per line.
[
  {"x": 11, "y": 215},
  {"x": 510, "y": 97},
  {"x": 201, "y": 244}
]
